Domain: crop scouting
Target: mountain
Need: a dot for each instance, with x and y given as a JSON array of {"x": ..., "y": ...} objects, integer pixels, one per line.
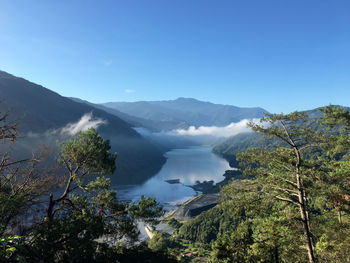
[
  {"x": 229, "y": 148},
  {"x": 151, "y": 125},
  {"x": 185, "y": 112},
  {"x": 39, "y": 110}
]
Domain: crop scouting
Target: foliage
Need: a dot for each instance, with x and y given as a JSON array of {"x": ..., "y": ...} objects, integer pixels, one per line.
[
  {"x": 142, "y": 254},
  {"x": 84, "y": 221},
  {"x": 22, "y": 182},
  {"x": 273, "y": 230},
  {"x": 175, "y": 224},
  {"x": 89, "y": 152},
  {"x": 161, "y": 241},
  {"x": 205, "y": 227},
  {"x": 292, "y": 206},
  {"x": 10, "y": 249},
  {"x": 233, "y": 247},
  {"x": 265, "y": 220},
  {"x": 264, "y": 231}
]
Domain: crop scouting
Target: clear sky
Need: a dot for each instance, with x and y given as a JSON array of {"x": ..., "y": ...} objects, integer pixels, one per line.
[{"x": 279, "y": 55}]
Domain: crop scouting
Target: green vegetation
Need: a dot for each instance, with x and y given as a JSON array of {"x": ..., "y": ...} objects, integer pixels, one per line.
[
  {"x": 289, "y": 203},
  {"x": 293, "y": 205},
  {"x": 83, "y": 217},
  {"x": 237, "y": 144}
]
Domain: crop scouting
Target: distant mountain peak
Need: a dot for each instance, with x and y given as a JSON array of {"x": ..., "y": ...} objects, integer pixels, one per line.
[
  {"x": 185, "y": 99},
  {"x": 190, "y": 111}
]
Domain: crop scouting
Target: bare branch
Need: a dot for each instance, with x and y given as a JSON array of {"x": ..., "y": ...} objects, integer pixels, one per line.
[{"x": 287, "y": 200}]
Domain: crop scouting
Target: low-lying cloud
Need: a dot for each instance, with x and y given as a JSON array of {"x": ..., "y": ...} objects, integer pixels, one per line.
[
  {"x": 232, "y": 129},
  {"x": 31, "y": 140},
  {"x": 86, "y": 121},
  {"x": 203, "y": 135}
]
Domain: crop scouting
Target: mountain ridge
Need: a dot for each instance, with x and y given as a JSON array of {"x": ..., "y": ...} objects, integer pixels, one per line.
[
  {"x": 187, "y": 111},
  {"x": 37, "y": 109}
]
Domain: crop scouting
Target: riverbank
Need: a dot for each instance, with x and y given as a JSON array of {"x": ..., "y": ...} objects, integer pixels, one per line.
[
  {"x": 196, "y": 206},
  {"x": 205, "y": 200}
]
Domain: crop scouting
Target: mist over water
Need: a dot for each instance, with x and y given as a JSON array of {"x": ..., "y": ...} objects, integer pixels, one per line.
[
  {"x": 188, "y": 165},
  {"x": 202, "y": 135}
]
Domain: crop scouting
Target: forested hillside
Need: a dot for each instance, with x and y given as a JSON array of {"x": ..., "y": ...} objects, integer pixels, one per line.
[
  {"x": 293, "y": 208},
  {"x": 243, "y": 141},
  {"x": 39, "y": 111}
]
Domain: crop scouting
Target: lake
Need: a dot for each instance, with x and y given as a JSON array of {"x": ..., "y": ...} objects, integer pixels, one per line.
[{"x": 188, "y": 165}]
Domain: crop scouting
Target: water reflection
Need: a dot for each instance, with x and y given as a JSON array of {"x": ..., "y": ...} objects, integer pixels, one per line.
[{"x": 188, "y": 165}]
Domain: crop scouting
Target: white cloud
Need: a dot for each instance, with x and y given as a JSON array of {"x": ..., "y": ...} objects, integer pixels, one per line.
[
  {"x": 86, "y": 121},
  {"x": 129, "y": 90},
  {"x": 232, "y": 129}
]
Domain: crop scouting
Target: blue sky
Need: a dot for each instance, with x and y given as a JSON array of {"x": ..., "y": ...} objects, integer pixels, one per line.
[{"x": 279, "y": 55}]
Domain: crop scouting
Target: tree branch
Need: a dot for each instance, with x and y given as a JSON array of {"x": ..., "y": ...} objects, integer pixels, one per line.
[{"x": 286, "y": 200}]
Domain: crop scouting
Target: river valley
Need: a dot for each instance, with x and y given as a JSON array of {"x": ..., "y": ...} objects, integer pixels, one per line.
[{"x": 187, "y": 166}]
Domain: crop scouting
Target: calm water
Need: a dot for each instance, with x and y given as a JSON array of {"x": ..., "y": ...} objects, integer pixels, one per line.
[{"x": 188, "y": 165}]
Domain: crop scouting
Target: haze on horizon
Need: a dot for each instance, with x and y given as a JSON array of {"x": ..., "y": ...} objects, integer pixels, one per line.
[{"x": 281, "y": 56}]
